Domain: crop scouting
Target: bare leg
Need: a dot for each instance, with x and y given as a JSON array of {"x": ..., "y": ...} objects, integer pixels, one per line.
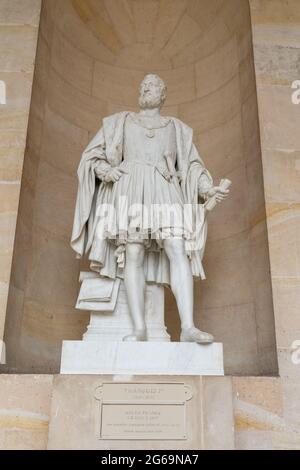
[
  {"x": 134, "y": 280},
  {"x": 182, "y": 288},
  {"x": 181, "y": 280}
]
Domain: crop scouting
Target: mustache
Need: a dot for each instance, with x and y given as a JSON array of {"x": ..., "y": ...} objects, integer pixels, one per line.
[{"x": 149, "y": 99}]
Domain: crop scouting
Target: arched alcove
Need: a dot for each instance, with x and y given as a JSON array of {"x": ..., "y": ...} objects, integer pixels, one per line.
[{"x": 92, "y": 55}]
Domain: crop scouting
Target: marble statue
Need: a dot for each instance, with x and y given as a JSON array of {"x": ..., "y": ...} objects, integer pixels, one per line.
[{"x": 142, "y": 203}]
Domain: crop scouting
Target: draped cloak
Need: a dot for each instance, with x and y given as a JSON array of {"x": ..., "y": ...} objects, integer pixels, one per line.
[{"x": 107, "y": 148}]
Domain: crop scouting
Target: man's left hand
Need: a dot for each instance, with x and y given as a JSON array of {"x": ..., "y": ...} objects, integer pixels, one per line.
[{"x": 219, "y": 193}]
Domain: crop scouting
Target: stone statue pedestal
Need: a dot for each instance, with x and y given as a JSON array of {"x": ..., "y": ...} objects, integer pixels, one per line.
[
  {"x": 113, "y": 326},
  {"x": 102, "y": 350},
  {"x": 141, "y": 358}
]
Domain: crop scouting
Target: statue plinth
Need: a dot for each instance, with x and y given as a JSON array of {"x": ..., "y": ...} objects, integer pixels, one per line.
[
  {"x": 141, "y": 358},
  {"x": 102, "y": 350}
]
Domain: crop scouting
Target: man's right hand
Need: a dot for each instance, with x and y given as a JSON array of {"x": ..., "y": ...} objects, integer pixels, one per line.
[{"x": 114, "y": 175}]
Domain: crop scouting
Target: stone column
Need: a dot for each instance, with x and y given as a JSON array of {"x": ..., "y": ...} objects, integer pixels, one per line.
[
  {"x": 276, "y": 41},
  {"x": 19, "y": 23}
]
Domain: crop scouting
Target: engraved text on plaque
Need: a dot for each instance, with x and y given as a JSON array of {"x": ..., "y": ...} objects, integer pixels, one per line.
[{"x": 143, "y": 410}]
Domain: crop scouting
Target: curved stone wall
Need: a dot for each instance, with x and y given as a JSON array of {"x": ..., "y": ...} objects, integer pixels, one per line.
[{"x": 92, "y": 55}]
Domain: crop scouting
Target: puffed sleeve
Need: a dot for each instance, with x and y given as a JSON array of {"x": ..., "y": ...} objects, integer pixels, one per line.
[
  {"x": 205, "y": 183},
  {"x": 102, "y": 166}
]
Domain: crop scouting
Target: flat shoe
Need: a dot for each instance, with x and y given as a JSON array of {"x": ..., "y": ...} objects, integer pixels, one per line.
[
  {"x": 138, "y": 335},
  {"x": 193, "y": 335}
]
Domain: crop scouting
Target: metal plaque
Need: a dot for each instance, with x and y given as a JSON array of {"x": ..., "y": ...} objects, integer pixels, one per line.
[{"x": 142, "y": 410}]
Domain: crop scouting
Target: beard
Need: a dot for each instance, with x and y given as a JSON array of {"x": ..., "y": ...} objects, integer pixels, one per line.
[{"x": 148, "y": 101}]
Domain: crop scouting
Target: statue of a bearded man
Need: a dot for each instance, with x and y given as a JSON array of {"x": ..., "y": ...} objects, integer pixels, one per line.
[{"x": 141, "y": 207}]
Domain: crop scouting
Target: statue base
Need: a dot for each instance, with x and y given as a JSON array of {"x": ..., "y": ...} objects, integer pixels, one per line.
[{"x": 141, "y": 358}]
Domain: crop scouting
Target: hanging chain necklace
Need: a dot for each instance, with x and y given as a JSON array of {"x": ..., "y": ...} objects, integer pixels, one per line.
[{"x": 150, "y": 130}]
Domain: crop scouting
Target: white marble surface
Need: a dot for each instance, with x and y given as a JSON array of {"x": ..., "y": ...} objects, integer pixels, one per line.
[
  {"x": 148, "y": 187},
  {"x": 113, "y": 326},
  {"x": 141, "y": 358}
]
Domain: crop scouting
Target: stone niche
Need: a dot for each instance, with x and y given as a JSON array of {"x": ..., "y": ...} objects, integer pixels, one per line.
[{"x": 90, "y": 60}]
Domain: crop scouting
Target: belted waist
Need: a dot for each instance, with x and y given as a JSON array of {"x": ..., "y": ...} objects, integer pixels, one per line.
[
  {"x": 139, "y": 162},
  {"x": 162, "y": 166}
]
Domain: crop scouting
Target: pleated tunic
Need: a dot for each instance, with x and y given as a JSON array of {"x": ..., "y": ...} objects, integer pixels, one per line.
[{"x": 147, "y": 199}]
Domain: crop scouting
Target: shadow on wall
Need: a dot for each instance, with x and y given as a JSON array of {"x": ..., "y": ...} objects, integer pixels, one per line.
[{"x": 91, "y": 58}]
